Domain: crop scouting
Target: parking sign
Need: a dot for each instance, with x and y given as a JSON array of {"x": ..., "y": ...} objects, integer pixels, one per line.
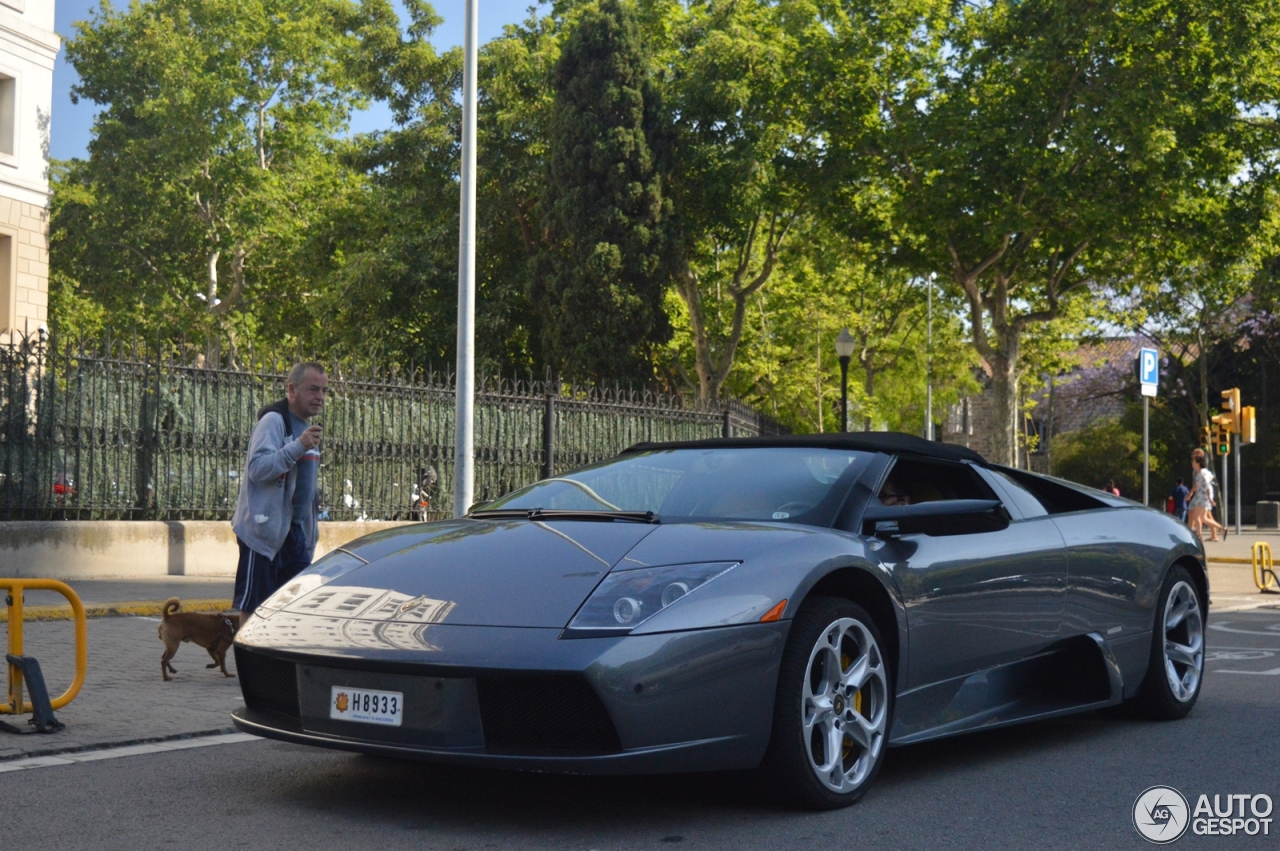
[{"x": 1148, "y": 371}]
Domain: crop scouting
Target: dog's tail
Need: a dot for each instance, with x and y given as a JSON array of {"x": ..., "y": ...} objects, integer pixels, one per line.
[{"x": 173, "y": 604}]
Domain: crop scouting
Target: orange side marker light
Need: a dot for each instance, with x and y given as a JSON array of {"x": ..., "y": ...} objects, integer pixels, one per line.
[{"x": 774, "y": 614}]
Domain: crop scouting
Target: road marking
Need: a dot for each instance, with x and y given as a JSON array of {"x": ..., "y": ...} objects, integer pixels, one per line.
[
  {"x": 1274, "y": 672},
  {"x": 127, "y": 750},
  {"x": 1222, "y": 627}
]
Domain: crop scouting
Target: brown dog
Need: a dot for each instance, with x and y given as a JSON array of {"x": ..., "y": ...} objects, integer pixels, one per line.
[{"x": 212, "y": 632}]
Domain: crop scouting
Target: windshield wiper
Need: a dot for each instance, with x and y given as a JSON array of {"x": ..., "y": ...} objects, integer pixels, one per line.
[{"x": 563, "y": 514}]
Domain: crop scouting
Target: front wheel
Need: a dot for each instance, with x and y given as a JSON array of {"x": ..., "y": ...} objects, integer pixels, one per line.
[
  {"x": 833, "y": 707},
  {"x": 1176, "y": 669}
]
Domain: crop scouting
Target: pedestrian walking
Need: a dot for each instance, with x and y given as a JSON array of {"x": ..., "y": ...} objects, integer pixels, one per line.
[
  {"x": 1179, "y": 497},
  {"x": 276, "y": 509},
  {"x": 1111, "y": 488},
  {"x": 1201, "y": 503}
]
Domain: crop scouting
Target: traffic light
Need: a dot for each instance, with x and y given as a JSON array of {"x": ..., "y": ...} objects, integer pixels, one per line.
[
  {"x": 1248, "y": 425},
  {"x": 1222, "y": 440},
  {"x": 1231, "y": 401},
  {"x": 1206, "y": 439}
]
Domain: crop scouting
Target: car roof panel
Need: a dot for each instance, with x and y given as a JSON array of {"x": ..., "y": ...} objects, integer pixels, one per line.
[{"x": 892, "y": 442}]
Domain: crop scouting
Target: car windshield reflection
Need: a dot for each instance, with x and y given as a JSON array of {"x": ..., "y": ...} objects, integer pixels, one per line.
[{"x": 788, "y": 484}]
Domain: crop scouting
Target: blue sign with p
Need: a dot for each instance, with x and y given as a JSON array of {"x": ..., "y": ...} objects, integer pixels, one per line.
[{"x": 1149, "y": 366}]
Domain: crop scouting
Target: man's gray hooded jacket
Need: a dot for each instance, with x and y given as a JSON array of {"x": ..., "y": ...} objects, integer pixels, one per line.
[{"x": 264, "y": 507}]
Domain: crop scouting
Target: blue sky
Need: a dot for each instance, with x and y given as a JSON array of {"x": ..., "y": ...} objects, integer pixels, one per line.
[{"x": 73, "y": 123}]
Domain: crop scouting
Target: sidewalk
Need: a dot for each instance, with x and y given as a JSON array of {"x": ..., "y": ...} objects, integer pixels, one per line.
[
  {"x": 124, "y": 699},
  {"x": 1231, "y": 586}
]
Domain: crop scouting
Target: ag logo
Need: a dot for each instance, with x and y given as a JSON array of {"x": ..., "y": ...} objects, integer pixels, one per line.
[
  {"x": 341, "y": 701},
  {"x": 1160, "y": 814}
]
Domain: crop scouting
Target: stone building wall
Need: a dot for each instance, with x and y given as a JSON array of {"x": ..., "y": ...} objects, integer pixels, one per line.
[{"x": 28, "y": 48}]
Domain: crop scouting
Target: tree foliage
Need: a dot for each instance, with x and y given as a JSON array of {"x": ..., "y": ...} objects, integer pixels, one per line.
[
  {"x": 599, "y": 281},
  {"x": 699, "y": 194},
  {"x": 212, "y": 156}
]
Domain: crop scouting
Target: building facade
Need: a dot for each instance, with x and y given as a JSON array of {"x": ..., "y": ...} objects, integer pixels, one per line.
[
  {"x": 1097, "y": 388},
  {"x": 28, "y": 48}
]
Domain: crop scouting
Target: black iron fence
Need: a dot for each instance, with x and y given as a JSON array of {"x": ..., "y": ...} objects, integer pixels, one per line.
[{"x": 121, "y": 430}]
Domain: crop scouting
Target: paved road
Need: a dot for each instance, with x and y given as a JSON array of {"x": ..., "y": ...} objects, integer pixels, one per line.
[{"x": 1066, "y": 784}]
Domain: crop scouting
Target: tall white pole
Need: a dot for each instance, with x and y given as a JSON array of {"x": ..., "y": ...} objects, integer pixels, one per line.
[
  {"x": 928, "y": 364},
  {"x": 463, "y": 447},
  {"x": 1146, "y": 450}
]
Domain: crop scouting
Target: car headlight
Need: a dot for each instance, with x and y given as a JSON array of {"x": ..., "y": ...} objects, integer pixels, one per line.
[
  {"x": 334, "y": 564},
  {"x": 625, "y": 599}
]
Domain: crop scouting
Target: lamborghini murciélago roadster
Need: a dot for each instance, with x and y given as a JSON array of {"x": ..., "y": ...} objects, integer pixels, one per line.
[{"x": 794, "y": 604}]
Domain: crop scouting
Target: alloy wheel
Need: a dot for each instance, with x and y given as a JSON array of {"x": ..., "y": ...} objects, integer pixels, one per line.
[
  {"x": 1183, "y": 639},
  {"x": 844, "y": 705}
]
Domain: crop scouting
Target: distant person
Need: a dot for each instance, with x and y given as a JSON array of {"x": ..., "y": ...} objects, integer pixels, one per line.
[
  {"x": 1111, "y": 488},
  {"x": 1201, "y": 501},
  {"x": 276, "y": 509},
  {"x": 1179, "y": 497}
]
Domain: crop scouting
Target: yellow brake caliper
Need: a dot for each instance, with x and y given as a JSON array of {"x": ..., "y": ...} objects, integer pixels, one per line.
[{"x": 847, "y": 741}]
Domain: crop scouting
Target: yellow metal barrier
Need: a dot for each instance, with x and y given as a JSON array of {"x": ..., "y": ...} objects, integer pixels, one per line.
[
  {"x": 1264, "y": 570},
  {"x": 16, "y": 705}
]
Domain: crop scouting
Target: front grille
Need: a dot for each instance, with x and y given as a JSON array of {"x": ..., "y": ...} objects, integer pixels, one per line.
[
  {"x": 269, "y": 684},
  {"x": 559, "y": 713}
]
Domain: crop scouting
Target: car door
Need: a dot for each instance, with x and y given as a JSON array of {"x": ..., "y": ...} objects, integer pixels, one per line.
[
  {"x": 1114, "y": 572},
  {"x": 978, "y": 599},
  {"x": 1114, "y": 553}
]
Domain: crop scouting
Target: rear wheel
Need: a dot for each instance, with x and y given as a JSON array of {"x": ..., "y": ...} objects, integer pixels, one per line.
[
  {"x": 1176, "y": 669},
  {"x": 833, "y": 707}
]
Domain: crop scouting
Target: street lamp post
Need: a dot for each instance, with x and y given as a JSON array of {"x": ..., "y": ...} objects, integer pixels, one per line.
[
  {"x": 928, "y": 360},
  {"x": 844, "y": 349}
]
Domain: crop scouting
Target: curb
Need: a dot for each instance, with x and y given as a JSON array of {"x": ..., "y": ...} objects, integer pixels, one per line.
[
  {"x": 99, "y": 746},
  {"x": 141, "y": 608}
]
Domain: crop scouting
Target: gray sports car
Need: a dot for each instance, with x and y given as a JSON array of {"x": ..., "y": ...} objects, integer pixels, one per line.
[{"x": 796, "y": 604}]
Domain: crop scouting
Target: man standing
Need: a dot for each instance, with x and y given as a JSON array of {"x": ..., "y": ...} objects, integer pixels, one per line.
[
  {"x": 275, "y": 517},
  {"x": 1180, "y": 494}
]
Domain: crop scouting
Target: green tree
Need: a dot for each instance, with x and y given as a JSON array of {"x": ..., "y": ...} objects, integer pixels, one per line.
[
  {"x": 598, "y": 290},
  {"x": 1101, "y": 452},
  {"x": 1054, "y": 131},
  {"x": 212, "y": 157}
]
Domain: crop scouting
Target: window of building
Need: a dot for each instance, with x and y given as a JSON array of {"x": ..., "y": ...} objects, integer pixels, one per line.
[
  {"x": 8, "y": 115},
  {"x": 8, "y": 305}
]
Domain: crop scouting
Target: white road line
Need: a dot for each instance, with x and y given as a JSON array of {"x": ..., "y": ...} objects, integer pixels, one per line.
[
  {"x": 127, "y": 750},
  {"x": 1274, "y": 672},
  {"x": 1222, "y": 627}
]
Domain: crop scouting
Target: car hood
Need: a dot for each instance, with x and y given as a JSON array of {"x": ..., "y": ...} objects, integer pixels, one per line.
[{"x": 512, "y": 573}]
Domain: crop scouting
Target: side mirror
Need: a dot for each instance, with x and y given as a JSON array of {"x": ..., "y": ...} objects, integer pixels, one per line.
[{"x": 943, "y": 517}]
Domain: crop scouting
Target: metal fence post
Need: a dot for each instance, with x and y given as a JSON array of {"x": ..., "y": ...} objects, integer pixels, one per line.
[
  {"x": 549, "y": 437},
  {"x": 728, "y": 422}
]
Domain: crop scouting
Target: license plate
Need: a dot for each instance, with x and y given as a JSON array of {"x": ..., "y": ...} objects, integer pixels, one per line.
[{"x": 366, "y": 706}]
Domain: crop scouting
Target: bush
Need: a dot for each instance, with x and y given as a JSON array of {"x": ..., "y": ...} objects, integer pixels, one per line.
[{"x": 1102, "y": 451}]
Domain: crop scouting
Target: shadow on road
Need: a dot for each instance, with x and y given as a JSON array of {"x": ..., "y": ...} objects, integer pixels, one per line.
[{"x": 449, "y": 796}]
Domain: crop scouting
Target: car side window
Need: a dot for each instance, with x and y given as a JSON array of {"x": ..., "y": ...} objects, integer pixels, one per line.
[
  {"x": 916, "y": 480},
  {"x": 1026, "y": 504}
]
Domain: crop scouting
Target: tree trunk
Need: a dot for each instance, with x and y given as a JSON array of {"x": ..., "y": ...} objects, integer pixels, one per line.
[
  {"x": 870, "y": 386},
  {"x": 1004, "y": 407}
]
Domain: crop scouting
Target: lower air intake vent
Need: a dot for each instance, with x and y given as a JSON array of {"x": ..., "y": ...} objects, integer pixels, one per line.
[
  {"x": 269, "y": 684},
  {"x": 541, "y": 713}
]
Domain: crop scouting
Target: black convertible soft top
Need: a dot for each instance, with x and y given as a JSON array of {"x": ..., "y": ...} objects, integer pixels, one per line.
[{"x": 894, "y": 442}]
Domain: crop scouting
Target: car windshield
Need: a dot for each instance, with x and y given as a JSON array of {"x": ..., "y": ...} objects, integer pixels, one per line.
[{"x": 790, "y": 484}]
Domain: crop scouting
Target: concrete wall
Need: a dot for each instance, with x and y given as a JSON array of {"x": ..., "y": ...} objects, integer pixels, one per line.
[{"x": 128, "y": 548}]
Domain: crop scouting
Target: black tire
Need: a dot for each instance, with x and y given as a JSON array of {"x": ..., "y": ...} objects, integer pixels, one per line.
[
  {"x": 829, "y": 629},
  {"x": 1158, "y": 698}
]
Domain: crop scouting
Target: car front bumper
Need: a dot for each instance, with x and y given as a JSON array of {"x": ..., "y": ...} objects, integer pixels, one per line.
[{"x": 520, "y": 698}]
